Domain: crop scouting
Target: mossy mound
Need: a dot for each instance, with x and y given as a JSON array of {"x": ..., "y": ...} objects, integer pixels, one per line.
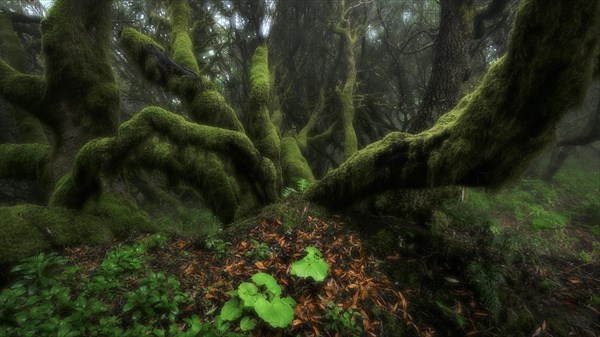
[{"x": 26, "y": 230}]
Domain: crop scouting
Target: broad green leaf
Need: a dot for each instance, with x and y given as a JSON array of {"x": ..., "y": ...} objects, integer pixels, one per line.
[
  {"x": 232, "y": 310},
  {"x": 290, "y": 301},
  {"x": 248, "y": 292},
  {"x": 128, "y": 306},
  {"x": 268, "y": 281},
  {"x": 276, "y": 313},
  {"x": 312, "y": 252},
  {"x": 312, "y": 265},
  {"x": 247, "y": 323}
]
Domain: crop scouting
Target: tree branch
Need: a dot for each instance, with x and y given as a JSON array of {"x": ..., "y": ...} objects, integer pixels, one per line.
[
  {"x": 206, "y": 105},
  {"x": 22, "y": 89},
  {"x": 495, "y": 8},
  {"x": 23, "y": 161},
  {"x": 493, "y": 134},
  {"x": 21, "y": 18}
]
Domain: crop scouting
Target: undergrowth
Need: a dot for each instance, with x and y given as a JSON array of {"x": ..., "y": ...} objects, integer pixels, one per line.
[
  {"x": 120, "y": 297},
  {"x": 500, "y": 243}
]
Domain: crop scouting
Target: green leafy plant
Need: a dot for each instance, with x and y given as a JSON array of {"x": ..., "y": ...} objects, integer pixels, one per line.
[
  {"x": 123, "y": 259},
  {"x": 219, "y": 246},
  {"x": 262, "y": 296},
  {"x": 451, "y": 314},
  {"x": 44, "y": 302},
  {"x": 302, "y": 186},
  {"x": 154, "y": 240},
  {"x": 37, "y": 272},
  {"x": 488, "y": 280},
  {"x": 158, "y": 297},
  {"x": 345, "y": 322},
  {"x": 311, "y": 266},
  {"x": 259, "y": 250}
]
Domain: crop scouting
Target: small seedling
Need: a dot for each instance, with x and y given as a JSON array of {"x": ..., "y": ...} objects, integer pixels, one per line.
[
  {"x": 259, "y": 251},
  {"x": 346, "y": 322},
  {"x": 218, "y": 246}
]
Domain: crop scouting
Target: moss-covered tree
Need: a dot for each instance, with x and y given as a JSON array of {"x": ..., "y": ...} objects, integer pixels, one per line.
[{"x": 488, "y": 138}]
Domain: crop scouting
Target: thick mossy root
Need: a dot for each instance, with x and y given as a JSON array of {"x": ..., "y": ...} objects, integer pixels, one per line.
[
  {"x": 106, "y": 156},
  {"x": 29, "y": 229},
  {"x": 494, "y": 133},
  {"x": 203, "y": 171}
]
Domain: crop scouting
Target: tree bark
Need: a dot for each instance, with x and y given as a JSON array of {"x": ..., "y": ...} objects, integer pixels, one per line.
[{"x": 450, "y": 64}]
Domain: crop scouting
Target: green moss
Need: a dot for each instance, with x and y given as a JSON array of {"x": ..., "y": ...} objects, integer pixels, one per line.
[
  {"x": 209, "y": 107},
  {"x": 439, "y": 223},
  {"x": 119, "y": 214},
  {"x": 384, "y": 242},
  {"x": 19, "y": 238},
  {"x": 212, "y": 181},
  {"x": 104, "y": 157},
  {"x": 262, "y": 131},
  {"x": 28, "y": 229},
  {"x": 182, "y": 47},
  {"x": 260, "y": 85},
  {"x": 22, "y": 89},
  {"x": 23, "y": 161},
  {"x": 101, "y": 98},
  {"x": 200, "y": 170},
  {"x": 134, "y": 42},
  {"x": 277, "y": 119},
  {"x": 467, "y": 13},
  {"x": 76, "y": 46},
  {"x": 293, "y": 164}
]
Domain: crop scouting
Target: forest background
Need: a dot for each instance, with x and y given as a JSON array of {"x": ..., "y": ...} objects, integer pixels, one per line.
[{"x": 125, "y": 117}]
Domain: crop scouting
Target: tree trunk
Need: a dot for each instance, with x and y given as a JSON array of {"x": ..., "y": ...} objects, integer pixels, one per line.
[
  {"x": 81, "y": 98},
  {"x": 450, "y": 64}
]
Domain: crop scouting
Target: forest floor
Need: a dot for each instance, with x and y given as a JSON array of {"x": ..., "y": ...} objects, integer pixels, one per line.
[
  {"x": 414, "y": 291},
  {"x": 524, "y": 262}
]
